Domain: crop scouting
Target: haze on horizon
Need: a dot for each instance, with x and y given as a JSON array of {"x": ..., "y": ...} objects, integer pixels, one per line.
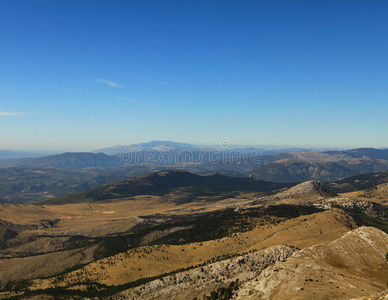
[{"x": 83, "y": 75}]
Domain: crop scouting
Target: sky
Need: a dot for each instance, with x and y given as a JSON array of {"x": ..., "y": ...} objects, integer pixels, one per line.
[{"x": 79, "y": 75}]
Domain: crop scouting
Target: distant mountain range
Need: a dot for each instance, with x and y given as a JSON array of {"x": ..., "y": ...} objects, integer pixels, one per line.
[
  {"x": 10, "y": 154},
  {"x": 153, "y": 145},
  {"x": 359, "y": 161},
  {"x": 324, "y": 166},
  {"x": 293, "y": 170},
  {"x": 68, "y": 160},
  {"x": 34, "y": 178},
  {"x": 174, "y": 146},
  {"x": 362, "y": 152}
]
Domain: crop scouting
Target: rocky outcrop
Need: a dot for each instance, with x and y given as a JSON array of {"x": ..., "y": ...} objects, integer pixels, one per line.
[
  {"x": 368, "y": 208},
  {"x": 312, "y": 189},
  {"x": 374, "y": 296},
  {"x": 349, "y": 267}
]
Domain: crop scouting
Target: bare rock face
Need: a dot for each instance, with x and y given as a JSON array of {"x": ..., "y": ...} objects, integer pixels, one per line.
[{"x": 350, "y": 267}]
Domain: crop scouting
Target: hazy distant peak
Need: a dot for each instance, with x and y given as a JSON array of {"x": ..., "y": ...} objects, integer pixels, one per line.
[{"x": 152, "y": 145}]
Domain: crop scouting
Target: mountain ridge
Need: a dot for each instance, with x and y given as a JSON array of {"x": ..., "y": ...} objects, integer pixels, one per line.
[
  {"x": 167, "y": 182},
  {"x": 152, "y": 145}
]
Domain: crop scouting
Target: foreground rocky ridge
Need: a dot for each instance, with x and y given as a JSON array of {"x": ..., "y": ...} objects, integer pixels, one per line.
[
  {"x": 351, "y": 266},
  {"x": 210, "y": 277}
]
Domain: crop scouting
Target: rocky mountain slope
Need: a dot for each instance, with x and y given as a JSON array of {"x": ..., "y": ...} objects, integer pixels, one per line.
[
  {"x": 305, "y": 191},
  {"x": 378, "y": 192},
  {"x": 351, "y": 266}
]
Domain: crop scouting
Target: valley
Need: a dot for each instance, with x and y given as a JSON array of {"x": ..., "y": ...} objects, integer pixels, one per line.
[{"x": 156, "y": 236}]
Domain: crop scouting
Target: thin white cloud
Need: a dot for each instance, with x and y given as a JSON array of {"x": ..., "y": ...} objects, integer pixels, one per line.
[
  {"x": 127, "y": 99},
  {"x": 156, "y": 81},
  {"x": 100, "y": 95},
  {"x": 108, "y": 83},
  {"x": 9, "y": 113}
]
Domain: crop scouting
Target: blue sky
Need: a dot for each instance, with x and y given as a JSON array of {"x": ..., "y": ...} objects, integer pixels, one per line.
[{"x": 81, "y": 75}]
